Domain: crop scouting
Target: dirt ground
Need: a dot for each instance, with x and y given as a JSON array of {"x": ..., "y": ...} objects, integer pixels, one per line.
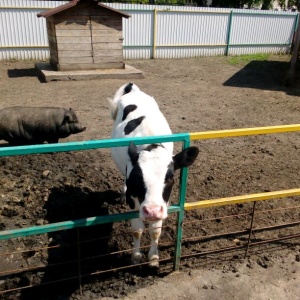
[{"x": 197, "y": 94}]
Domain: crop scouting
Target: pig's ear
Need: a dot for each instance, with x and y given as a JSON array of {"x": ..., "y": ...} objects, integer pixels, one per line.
[{"x": 68, "y": 118}]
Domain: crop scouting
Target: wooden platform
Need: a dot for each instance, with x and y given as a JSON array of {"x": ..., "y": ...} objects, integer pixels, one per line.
[{"x": 47, "y": 73}]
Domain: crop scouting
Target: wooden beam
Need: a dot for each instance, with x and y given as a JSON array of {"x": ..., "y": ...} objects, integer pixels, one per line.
[{"x": 77, "y": 67}]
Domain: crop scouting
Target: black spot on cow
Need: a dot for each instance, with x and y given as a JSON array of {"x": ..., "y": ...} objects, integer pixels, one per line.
[
  {"x": 133, "y": 124},
  {"x": 135, "y": 186},
  {"x": 127, "y": 110},
  {"x": 128, "y": 88},
  {"x": 152, "y": 147}
]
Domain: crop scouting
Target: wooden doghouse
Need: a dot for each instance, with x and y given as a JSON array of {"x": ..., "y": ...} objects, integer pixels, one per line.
[{"x": 85, "y": 35}]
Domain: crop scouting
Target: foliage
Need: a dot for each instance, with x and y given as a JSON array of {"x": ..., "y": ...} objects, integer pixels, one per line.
[
  {"x": 295, "y": 3},
  {"x": 267, "y": 4},
  {"x": 264, "y": 4},
  {"x": 161, "y": 2}
]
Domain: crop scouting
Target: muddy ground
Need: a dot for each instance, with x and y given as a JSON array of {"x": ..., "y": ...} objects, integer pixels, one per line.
[{"x": 195, "y": 95}]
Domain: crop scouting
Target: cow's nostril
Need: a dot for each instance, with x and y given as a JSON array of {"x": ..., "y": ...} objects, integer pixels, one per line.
[
  {"x": 145, "y": 210},
  {"x": 153, "y": 211}
]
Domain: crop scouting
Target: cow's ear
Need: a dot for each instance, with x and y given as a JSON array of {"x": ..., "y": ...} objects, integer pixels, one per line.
[
  {"x": 185, "y": 158},
  {"x": 129, "y": 200},
  {"x": 133, "y": 153}
]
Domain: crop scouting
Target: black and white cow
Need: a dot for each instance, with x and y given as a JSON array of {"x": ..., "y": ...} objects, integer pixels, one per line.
[{"x": 148, "y": 169}]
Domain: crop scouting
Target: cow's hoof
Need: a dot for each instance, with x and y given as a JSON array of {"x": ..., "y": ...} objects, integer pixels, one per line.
[
  {"x": 136, "y": 258},
  {"x": 123, "y": 197},
  {"x": 154, "y": 261}
]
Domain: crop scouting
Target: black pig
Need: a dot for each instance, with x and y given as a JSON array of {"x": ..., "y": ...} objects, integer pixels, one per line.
[{"x": 35, "y": 125}]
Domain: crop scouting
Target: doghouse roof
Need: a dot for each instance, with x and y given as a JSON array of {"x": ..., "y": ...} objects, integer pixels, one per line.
[{"x": 72, "y": 3}]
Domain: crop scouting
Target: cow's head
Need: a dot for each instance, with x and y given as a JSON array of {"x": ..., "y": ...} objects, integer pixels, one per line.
[
  {"x": 126, "y": 89},
  {"x": 150, "y": 178}
]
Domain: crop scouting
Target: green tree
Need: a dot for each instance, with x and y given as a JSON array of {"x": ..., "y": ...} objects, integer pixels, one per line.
[
  {"x": 292, "y": 3},
  {"x": 265, "y": 4},
  {"x": 227, "y": 3}
]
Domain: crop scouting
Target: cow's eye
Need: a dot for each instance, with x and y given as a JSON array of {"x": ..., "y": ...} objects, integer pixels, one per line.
[{"x": 170, "y": 178}]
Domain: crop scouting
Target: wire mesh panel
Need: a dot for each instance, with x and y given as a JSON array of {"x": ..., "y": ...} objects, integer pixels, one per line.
[{"x": 74, "y": 245}]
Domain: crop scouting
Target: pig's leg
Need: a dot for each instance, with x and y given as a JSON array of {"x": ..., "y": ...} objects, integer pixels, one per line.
[{"x": 53, "y": 140}]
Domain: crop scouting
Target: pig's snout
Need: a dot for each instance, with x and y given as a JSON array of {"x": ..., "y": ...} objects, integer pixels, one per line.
[{"x": 76, "y": 128}]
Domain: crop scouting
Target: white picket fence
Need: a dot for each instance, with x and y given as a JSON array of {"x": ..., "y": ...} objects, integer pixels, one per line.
[{"x": 157, "y": 31}]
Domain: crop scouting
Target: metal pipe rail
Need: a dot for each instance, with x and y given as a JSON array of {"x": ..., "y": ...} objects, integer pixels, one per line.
[{"x": 179, "y": 208}]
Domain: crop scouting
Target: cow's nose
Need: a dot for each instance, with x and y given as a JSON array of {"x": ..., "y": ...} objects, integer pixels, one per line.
[{"x": 153, "y": 212}]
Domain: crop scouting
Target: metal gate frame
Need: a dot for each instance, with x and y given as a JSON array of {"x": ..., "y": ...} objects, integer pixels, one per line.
[{"x": 179, "y": 208}]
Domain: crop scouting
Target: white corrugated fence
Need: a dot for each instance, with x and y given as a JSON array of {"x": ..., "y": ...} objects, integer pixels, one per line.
[{"x": 156, "y": 31}]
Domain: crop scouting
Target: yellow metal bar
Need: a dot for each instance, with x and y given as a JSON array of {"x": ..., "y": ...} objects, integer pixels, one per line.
[
  {"x": 23, "y": 7},
  {"x": 9, "y": 47},
  {"x": 154, "y": 33},
  {"x": 243, "y": 132},
  {"x": 194, "y": 11},
  {"x": 241, "y": 199},
  {"x": 193, "y": 45}
]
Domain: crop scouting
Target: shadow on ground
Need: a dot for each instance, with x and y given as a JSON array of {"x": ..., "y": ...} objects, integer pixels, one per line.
[
  {"x": 15, "y": 73},
  {"x": 19, "y": 73},
  {"x": 265, "y": 75},
  {"x": 76, "y": 252}
]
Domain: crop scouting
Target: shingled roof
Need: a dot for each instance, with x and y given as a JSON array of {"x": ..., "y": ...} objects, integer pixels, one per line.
[{"x": 72, "y": 3}]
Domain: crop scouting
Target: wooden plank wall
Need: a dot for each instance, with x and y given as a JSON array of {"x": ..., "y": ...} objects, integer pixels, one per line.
[
  {"x": 52, "y": 41},
  {"x": 83, "y": 38},
  {"x": 107, "y": 39}
]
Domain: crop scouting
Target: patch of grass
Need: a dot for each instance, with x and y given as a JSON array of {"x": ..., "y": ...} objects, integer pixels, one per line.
[{"x": 244, "y": 59}]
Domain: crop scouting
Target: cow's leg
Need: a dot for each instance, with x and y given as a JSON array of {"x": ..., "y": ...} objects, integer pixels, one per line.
[
  {"x": 154, "y": 231},
  {"x": 123, "y": 193},
  {"x": 137, "y": 226}
]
